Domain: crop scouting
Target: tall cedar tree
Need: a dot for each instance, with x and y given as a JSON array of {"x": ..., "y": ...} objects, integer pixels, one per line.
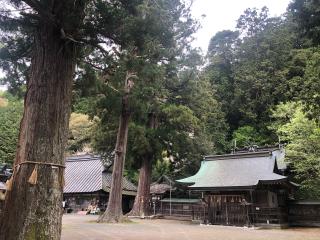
[
  {"x": 33, "y": 211},
  {"x": 154, "y": 34},
  {"x": 113, "y": 212}
]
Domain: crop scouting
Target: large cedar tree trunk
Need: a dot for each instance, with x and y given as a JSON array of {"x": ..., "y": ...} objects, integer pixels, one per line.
[
  {"x": 141, "y": 206},
  {"x": 34, "y": 211},
  {"x": 113, "y": 212}
]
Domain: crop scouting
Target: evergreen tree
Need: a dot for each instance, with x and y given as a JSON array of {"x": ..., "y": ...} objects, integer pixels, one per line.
[
  {"x": 306, "y": 14},
  {"x": 303, "y": 78},
  {"x": 220, "y": 71},
  {"x": 249, "y": 70}
]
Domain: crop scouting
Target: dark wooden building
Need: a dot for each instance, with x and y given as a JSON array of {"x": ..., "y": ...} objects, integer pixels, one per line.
[
  {"x": 88, "y": 182},
  {"x": 245, "y": 188}
]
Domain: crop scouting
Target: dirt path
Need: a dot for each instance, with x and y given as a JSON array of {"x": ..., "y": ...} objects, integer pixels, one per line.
[{"x": 77, "y": 227}]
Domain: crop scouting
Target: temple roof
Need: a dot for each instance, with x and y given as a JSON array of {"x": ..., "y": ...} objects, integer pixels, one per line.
[
  {"x": 162, "y": 185},
  {"x": 86, "y": 173},
  {"x": 160, "y": 188},
  {"x": 235, "y": 170}
]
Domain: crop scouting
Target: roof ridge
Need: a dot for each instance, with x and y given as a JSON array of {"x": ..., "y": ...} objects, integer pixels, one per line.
[
  {"x": 85, "y": 157},
  {"x": 237, "y": 155}
]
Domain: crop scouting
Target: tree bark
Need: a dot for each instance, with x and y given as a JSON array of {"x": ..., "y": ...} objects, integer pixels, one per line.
[
  {"x": 34, "y": 211},
  {"x": 114, "y": 212},
  {"x": 141, "y": 206}
]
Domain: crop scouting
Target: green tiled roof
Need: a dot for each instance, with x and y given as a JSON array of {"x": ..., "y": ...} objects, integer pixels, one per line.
[{"x": 234, "y": 170}]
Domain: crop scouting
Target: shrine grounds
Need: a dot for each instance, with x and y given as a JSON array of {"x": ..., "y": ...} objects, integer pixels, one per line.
[{"x": 83, "y": 227}]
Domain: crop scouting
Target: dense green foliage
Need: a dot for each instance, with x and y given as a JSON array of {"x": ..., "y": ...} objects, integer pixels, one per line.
[
  {"x": 248, "y": 68},
  {"x": 303, "y": 78},
  {"x": 306, "y": 15},
  {"x": 10, "y": 115},
  {"x": 303, "y": 149},
  {"x": 80, "y": 133}
]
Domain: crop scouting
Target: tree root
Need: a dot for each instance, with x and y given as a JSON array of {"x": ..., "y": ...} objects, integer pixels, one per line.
[{"x": 110, "y": 218}]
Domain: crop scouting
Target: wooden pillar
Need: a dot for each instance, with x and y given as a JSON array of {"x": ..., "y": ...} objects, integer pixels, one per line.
[{"x": 252, "y": 207}]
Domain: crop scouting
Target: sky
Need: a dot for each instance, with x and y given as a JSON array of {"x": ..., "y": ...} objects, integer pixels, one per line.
[{"x": 223, "y": 14}]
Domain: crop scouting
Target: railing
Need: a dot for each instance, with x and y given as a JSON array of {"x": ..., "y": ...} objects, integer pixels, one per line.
[
  {"x": 199, "y": 213},
  {"x": 180, "y": 210},
  {"x": 264, "y": 215},
  {"x": 229, "y": 214},
  {"x": 187, "y": 211}
]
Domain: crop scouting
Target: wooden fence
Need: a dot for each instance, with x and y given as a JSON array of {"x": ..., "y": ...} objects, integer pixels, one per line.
[
  {"x": 237, "y": 214},
  {"x": 304, "y": 213}
]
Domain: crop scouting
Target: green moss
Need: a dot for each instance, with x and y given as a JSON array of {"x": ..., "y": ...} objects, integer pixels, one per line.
[
  {"x": 31, "y": 234},
  {"x": 35, "y": 232},
  {"x": 124, "y": 220}
]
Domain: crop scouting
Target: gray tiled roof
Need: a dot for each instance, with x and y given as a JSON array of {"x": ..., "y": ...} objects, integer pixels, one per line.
[
  {"x": 85, "y": 173},
  {"x": 162, "y": 185},
  {"x": 126, "y": 184},
  {"x": 238, "y": 170}
]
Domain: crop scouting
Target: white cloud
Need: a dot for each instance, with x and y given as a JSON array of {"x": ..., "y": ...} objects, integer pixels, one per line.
[{"x": 223, "y": 14}]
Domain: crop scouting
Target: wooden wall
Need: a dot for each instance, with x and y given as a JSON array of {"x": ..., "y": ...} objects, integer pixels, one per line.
[{"x": 304, "y": 214}]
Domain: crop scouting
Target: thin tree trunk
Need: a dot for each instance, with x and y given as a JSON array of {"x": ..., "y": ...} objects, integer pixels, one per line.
[
  {"x": 113, "y": 212},
  {"x": 34, "y": 211},
  {"x": 141, "y": 206}
]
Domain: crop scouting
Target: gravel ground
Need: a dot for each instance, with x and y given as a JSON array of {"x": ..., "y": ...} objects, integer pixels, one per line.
[{"x": 77, "y": 227}]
